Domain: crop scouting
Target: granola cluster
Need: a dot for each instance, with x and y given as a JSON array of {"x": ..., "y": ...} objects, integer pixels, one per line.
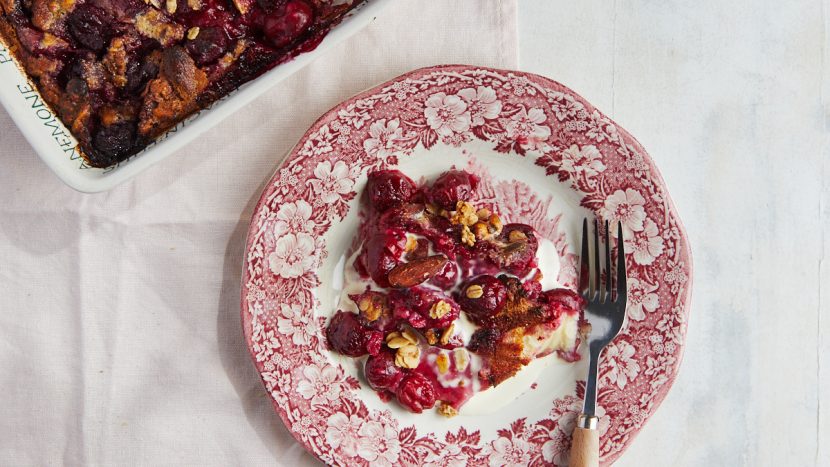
[{"x": 474, "y": 224}]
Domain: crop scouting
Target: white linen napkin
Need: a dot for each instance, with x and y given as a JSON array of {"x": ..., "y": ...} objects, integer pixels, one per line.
[{"x": 120, "y": 338}]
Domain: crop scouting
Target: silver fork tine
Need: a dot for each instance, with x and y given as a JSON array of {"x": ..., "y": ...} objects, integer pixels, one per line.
[
  {"x": 622, "y": 285},
  {"x": 585, "y": 264},
  {"x": 608, "y": 288},
  {"x": 607, "y": 316},
  {"x": 597, "y": 290}
]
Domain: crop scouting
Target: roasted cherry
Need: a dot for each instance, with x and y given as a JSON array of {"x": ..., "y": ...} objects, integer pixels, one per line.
[
  {"x": 451, "y": 187},
  {"x": 382, "y": 253},
  {"x": 484, "y": 341},
  {"x": 532, "y": 289},
  {"x": 416, "y": 393},
  {"x": 446, "y": 278},
  {"x": 348, "y": 336},
  {"x": 374, "y": 342},
  {"x": 116, "y": 140},
  {"x": 374, "y": 309},
  {"x": 482, "y": 298},
  {"x": 563, "y": 300},
  {"x": 406, "y": 216},
  {"x": 388, "y": 188},
  {"x": 90, "y": 27},
  {"x": 421, "y": 307},
  {"x": 269, "y": 5},
  {"x": 382, "y": 373},
  {"x": 518, "y": 256},
  {"x": 285, "y": 26},
  {"x": 139, "y": 74},
  {"x": 442, "y": 242},
  {"x": 77, "y": 87},
  {"x": 208, "y": 46}
]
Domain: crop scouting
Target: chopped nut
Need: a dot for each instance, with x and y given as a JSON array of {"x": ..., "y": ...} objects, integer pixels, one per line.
[
  {"x": 481, "y": 231},
  {"x": 411, "y": 243},
  {"x": 495, "y": 224},
  {"x": 461, "y": 358},
  {"x": 514, "y": 247},
  {"x": 397, "y": 340},
  {"x": 193, "y": 32},
  {"x": 244, "y": 6},
  {"x": 408, "y": 356},
  {"x": 195, "y": 5},
  {"x": 116, "y": 62},
  {"x": 373, "y": 313},
  {"x": 517, "y": 236},
  {"x": 416, "y": 271},
  {"x": 154, "y": 24},
  {"x": 445, "y": 336},
  {"x": 474, "y": 291},
  {"x": 439, "y": 309},
  {"x": 467, "y": 236},
  {"x": 447, "y": 410},
  {"x": 432, "y": 339},
  {"x": 397, "y": 343},
  {"x": 465, "y": 214},
  {"x": 437, "y": 211},
  {"x": 171, "y": 6},
  {"x": 229, "y": 58},
  {"x": 52, "y": 41},
  {"x": 410, "y": 336},
  {"x": 442, "y": 361},
  {"x": 369, "y": 309},
  {"x": 483, "y": 214}
]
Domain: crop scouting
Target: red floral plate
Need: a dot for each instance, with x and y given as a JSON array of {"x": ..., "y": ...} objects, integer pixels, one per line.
[{"x": 548, "y": 158}]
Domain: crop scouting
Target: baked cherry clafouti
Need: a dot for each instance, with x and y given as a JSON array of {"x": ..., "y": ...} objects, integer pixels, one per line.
[
  {"x": 120, "y": 73},
  {"x": 442, "y": 299}
]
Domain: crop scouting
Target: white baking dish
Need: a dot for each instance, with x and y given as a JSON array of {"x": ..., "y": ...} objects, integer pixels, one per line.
[{"x": 56, "y": 146}]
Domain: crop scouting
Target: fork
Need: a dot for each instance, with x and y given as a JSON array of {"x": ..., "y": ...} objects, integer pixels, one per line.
[{"x": 606, "y": 314}]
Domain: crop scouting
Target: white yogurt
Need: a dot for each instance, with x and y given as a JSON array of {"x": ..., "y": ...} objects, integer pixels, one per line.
[{"x": 549, "y": 264}]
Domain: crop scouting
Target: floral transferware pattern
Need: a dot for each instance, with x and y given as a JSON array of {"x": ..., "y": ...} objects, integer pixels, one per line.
[{"x": 522, "y": 116}]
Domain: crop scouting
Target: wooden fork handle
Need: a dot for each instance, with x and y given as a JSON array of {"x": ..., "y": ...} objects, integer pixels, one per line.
[{"x": 585, "y": 443}]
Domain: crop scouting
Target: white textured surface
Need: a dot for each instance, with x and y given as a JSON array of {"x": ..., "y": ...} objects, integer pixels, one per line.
[
  {"x": 123, "y": 323},
  {"x": 120, "y": 340},
  {"x": 727, "y": 99}
]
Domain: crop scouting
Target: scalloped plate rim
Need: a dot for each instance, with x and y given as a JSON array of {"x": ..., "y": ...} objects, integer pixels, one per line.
[{"x": 655, "y": 174}]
